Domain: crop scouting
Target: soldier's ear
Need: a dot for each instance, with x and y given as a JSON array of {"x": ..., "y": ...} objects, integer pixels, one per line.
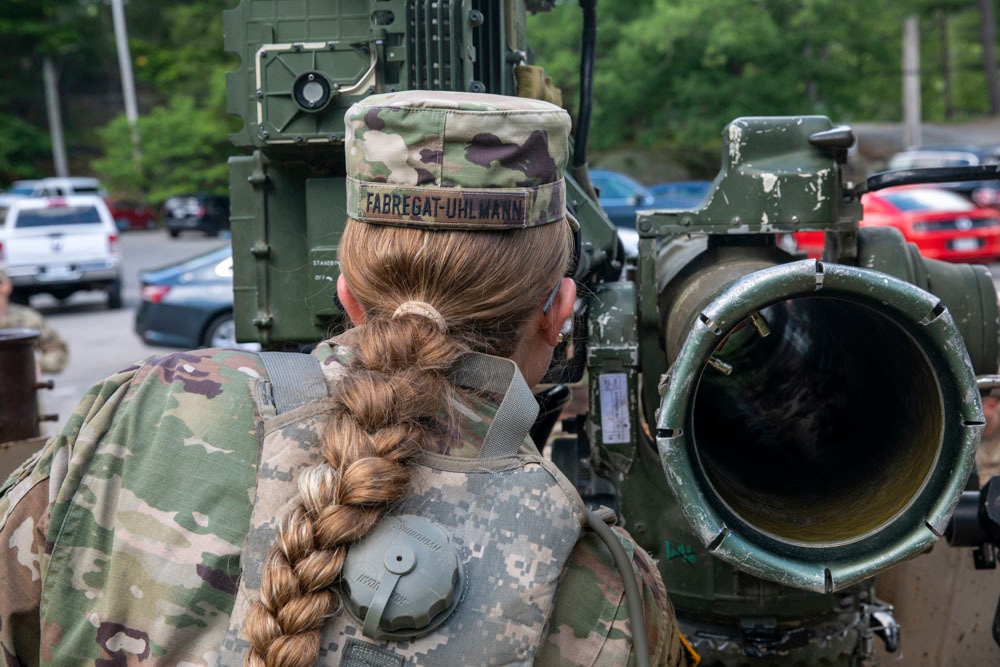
[
  {"x": 6, "y": 287},
  {"x": 561, "y": 310},
  {"x": 351, "y": 305}
]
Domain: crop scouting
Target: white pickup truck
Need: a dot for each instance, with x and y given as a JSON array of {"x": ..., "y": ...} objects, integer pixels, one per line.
[{"x": 61, "y": 245}]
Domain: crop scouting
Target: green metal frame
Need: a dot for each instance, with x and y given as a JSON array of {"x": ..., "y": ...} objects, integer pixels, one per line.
[{"x": 821, "y": 568}]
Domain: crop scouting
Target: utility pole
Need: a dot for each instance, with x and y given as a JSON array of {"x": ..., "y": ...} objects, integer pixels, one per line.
[
  {"x": 125, "y": 66},
  {"x": 51, "y": 81},
  {"x": 911, "y": 83},
  {"x": 949, "y": 108},
  {"x": 987, "y": 37}
]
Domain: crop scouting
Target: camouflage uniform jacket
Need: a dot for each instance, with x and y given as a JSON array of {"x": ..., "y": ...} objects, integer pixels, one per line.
[
  {"x": 52, "y": 347},
  {"x": 121, "y": 540}
]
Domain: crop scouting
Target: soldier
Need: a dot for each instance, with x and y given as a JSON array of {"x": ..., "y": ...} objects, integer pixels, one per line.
[
  {"x": 53, "y": 352},
  {"x": 381, "y": 506}
]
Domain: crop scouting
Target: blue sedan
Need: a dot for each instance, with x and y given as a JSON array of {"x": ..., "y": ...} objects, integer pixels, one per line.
[
  {"x": 681, "y": 194},
  {"x": 622, "y": 197},
  {"x": 190, "y": 304}
]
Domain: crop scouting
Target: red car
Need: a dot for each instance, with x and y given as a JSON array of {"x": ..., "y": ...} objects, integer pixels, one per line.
[
  {"x": 943, "y": 225},
  {"x": 130, "y": 215}
]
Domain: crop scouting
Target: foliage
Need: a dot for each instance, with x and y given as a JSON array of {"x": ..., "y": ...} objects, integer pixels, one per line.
[
  {"x": 47, "y": 27},
  {"x": 184, "y": 139},
  {"x": 963, "y": 53},
  {"x": 179, "y": 68},
  {"x": 30, "y": 31},
  {"x": 183, "y": 149},
  {"x": 671, "y": 73},
  {"x": 24, "y": 149},
  {"x": 182, "y": 48}
]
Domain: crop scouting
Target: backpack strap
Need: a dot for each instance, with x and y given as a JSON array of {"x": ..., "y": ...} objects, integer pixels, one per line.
[
  {"x": 517, "y": 411},
  {"x": 296, "y": 379}
]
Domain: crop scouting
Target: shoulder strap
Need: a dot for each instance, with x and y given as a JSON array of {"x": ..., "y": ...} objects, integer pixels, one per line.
[
  {"x": 296, "y": 379},
  {"x": 517, "y": 411}
]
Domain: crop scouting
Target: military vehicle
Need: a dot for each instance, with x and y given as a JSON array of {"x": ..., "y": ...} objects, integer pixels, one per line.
[{"x": 776, "y": 431}]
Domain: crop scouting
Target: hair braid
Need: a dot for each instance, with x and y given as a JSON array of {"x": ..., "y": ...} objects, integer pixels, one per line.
[
  {"x": 382, "y": 413},
  {"x": 392, "y": 400}
]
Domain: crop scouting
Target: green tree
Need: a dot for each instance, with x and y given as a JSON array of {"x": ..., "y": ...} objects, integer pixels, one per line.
[
  {"x": 180, "y": 45},
  {"x": 184, "y": 149},
  {"x": 671, "y": 73},
  {"x": 31, "y": 30},
  {"x": 183, "y": 136},
  {"x": 24, "y": 148}
]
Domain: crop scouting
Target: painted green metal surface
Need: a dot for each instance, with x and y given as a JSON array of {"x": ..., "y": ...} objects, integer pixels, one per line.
[
  {"x": 284, "y": 275},
  {"x": 825, "y": 563},
  {"x": 772, "y": 179},
  {"x": 966, "y": 289},
  {"x": 613, "y": 355},
  {"x": 302, "y": 65}
]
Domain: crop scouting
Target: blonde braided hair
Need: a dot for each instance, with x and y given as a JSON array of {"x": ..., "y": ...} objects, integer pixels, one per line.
[{"x": 391, "y": 404}]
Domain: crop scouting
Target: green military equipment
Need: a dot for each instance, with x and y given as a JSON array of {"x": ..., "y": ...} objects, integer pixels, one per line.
[
  {"x": 775, "y": 431},
  {"x": 299, "y": 73}
]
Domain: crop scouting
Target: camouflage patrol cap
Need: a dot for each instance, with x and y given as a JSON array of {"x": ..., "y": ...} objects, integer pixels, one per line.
[{"x": 448, "y": 160}]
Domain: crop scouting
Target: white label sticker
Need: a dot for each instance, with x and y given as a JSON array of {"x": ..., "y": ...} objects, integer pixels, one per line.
[{"x": 616, "y": 420}]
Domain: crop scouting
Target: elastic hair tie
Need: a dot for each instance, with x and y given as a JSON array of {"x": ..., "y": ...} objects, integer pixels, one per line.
[{"x": 422, "y": 309}]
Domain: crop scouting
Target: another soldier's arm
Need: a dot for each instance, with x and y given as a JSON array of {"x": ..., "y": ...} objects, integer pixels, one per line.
[
  {"x": 22, "y": 544},
  {"x": 25, "y": 509},
  {"x": 590, "y": 624},
  {"x": 54, "y": 352}
]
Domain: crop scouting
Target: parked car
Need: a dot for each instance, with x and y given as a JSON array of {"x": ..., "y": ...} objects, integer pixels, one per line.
[
  {"x": 204, "y": 213},
  {"x": 680, "y": 194},
  {"x": 58, "y": 186},
  {"x": 17, "y": 190},
  {"x": 61, "y": 245},
  {"x": 190, "y": 304},
  {"x": 622, "y": 197},
  {"x": 126, "y": 214},
  {"x": 983, "y": 193},
  {"x": 132, "y": 215},
  {"x": 810, "y": 243},
  {"x": 943, "y": 224}
]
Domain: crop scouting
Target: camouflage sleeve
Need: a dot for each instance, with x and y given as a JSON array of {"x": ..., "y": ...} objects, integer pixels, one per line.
[
  {"x": 23, "y": 540},
  {"x": 53, "y": 349},
  {"x": 590, "y": 624},
  {"x": 129, "y": 523},
  {"x": 25, "y": 502}
]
